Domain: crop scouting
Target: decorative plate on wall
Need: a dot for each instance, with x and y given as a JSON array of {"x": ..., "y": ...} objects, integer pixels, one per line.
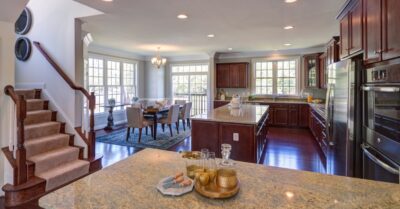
[
  {"x": 24, "y": 22},
  {"x": 23, "y": 48}
]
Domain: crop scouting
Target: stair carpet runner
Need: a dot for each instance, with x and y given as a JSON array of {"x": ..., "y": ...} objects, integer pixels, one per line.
[{"x": 47, "y": 145}]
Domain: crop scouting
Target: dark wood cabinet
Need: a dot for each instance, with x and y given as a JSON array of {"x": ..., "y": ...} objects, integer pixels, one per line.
[
  {"x": 304, "y": 115},
  {"x": 372, "y": 31},
  {"x": 344, "y": 36},
  {"x": 332, "y": 50},
  {"x": 281, "y": 116},
  {"x": 220, "y": 103},
  {"x": 223, "y": 76},
  {"x": 293, "y": 115},
  {"x": 351, "y": 26},
  {"x": 323, "y": 71},
  {"x": 311, "y": 69},
  {"x": 232, "y": 75},
  {"x": 391, "y": 29},
  {"x": 356, "y": 27},
  {"x": 318, "y": 129}
]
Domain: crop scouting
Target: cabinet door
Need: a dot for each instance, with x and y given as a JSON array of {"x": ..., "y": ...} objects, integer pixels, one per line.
[
  {"x": 271, "y": 116},
  {"x": 311, "y": 67},
  {"x": 391, "y": 29},
  {"x": 294, "y": 116},
  {"x": 322, "y": 71},
  {"x": 356, "y": 28},
  {"x": 223, "y": 76},
  {"x": 281, "y": 116},
  {"x": 242, "y": 75},
  {"x": 238, "y": 75},
  {"x": 372, "y": 31},
  {"x": 344, "y": 36},
  {"x": 304, "y": 115}
]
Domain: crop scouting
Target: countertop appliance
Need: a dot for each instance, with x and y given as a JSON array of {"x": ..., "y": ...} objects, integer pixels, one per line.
[
  {"x": 343, "y": 111},
  {"x": 381, "y": 123}
]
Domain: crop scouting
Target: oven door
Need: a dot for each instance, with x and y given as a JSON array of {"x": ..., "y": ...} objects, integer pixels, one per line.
[
  {"x": 382, "y": 110},
  {"x": 378, "y": 167}
]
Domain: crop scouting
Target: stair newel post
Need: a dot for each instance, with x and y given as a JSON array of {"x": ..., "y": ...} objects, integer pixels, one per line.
[
  {"x": 92, "y": 134},
  {"x": 21, "y": 152}
]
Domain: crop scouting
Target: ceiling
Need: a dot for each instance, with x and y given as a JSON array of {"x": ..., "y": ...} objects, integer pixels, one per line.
[
  {"x": 140, "y": 26},
  {"x": 11, "y": 9}
]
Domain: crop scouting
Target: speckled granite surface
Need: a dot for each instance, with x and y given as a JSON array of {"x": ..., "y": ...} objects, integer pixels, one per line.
[
  {"x": 131, "y": 184},
  {"x": 247, "y": 114}
]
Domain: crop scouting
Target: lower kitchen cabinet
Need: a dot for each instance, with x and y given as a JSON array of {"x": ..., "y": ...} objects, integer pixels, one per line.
[
  {"x": 288, "y": 115},
  {"x": 220, "y": 103},
  {"x": 318, "y": 129}
]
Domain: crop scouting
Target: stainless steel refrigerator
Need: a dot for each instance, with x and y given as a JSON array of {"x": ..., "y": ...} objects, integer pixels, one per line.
[{"x": 343, "y": 106}]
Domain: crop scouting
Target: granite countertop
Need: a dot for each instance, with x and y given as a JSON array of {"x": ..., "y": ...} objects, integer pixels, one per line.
[
  {"x": 131, "y": 184},
  {"x": 247, "y": 114}
]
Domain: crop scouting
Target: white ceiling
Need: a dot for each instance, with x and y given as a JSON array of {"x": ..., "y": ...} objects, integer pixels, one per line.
[
  {"x": 11, "y": 9},
  {"x": 140, "y": 26}
]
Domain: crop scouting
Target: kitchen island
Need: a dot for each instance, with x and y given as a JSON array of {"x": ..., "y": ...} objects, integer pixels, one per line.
[
  {"x": 244, "y": 128},
  {"x": 131, "y": 183}
]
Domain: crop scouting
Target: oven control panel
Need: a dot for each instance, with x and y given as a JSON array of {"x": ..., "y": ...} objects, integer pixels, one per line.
[
  {"x": 383, "y": 74},
  {"x": 379, "y": 75}
]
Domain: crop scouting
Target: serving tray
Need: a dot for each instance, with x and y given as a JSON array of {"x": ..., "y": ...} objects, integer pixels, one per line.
[{"x": 215, "y": 192}]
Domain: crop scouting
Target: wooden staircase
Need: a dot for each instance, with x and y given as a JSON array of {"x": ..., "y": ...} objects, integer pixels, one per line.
[{"x": 46, "y": 157}]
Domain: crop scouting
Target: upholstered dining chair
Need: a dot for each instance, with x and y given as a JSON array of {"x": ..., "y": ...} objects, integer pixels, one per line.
[
  {"x": 136, "y": 120},
  {"x": 184, "y": 114},
  {"x": 172, "y": 117},
  {"x": 180, "y": 102}
]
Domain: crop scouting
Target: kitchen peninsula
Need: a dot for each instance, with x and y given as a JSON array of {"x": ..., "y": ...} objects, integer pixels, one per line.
[
  {"x": 244, "y": 128},
  {"x": 131, "y": 183}
]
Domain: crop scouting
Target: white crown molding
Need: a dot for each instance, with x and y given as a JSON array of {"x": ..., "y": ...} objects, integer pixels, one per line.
[
  {"x": 103, "y": 50},
  {"x": 261, "y": 54}
]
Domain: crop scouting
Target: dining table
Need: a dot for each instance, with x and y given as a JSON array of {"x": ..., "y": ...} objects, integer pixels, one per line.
[{"x": 155, "y": 113}]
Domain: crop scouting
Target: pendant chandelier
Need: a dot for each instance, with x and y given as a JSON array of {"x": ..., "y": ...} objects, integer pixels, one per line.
[{"x": 158, "y": 61}]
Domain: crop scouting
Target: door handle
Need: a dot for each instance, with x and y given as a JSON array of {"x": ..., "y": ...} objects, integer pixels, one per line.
[
  {"x": 379, "y": 162},
  {"x": 389, "y": 89}
]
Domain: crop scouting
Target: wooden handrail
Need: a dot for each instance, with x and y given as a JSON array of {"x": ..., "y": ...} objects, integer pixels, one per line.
[
  {"x": 90, "y": 141},
  {"x": 20, "y": 160}
]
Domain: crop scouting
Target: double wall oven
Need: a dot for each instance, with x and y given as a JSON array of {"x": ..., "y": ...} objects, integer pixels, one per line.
[{"x": 381, "y": 124}]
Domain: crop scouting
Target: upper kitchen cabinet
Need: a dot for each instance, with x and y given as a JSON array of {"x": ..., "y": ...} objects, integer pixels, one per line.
[
  {"x": 332, "y": 50},
  {"x": 351, "y": 26},
  {"x": 391, "y": 29},
  {"x": 323, "y": 70},
  {"x": 232, "y": 75},
  {"x": 311, "y": 69},
  {"x": 381, "y": 30}
]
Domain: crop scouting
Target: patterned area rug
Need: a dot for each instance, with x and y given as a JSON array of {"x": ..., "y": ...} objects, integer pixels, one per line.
[{"x": 164, "y": 140}]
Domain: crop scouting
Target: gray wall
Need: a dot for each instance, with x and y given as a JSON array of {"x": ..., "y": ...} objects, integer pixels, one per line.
[{"x": 154, "y": 81}]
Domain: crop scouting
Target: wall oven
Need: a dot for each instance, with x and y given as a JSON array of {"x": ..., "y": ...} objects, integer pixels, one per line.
[{"x": 381, "y": 124}]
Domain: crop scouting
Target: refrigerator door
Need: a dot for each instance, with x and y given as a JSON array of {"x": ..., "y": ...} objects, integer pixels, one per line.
[{"x": 336, "y": 164}]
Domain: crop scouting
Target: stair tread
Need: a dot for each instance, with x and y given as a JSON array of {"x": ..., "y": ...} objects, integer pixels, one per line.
[
  {"x": 53, "y": 153},
  {"x": 45, "y": 138},
  {"x": 63, "y": 168},
  {"x": 38, "y": 125},
  {"x": 38, "y": 112}
]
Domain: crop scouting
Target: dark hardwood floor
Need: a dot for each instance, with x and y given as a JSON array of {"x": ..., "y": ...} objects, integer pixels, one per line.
[
  {"x": 293, "y": 149},
  {"x": 286, "y": 148}
]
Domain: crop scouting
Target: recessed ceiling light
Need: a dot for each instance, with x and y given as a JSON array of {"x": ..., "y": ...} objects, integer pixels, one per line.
[
  {"x": 290, "y": 1},
  {"x": 230, "y": 49},
  {"x": 289, "y": 27},
  {"x": 210, "y": 35},
  {"x": 108, "y": 0},
  {"x": 287, "y": 44},
  {"x": 182, "y": 16}
]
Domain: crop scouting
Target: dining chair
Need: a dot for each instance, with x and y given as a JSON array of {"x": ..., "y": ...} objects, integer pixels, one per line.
[
  {"x": 180, "y": 102},
  {"x": 172, "y": 117},
  {"x": 184, "y": 114},
  {"x": 136, "y": 120}
]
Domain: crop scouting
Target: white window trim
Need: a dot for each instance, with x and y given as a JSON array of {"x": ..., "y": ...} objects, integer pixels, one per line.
[
  {"x": 106, "y": 58},
  {"x": 274, "y": 74}
]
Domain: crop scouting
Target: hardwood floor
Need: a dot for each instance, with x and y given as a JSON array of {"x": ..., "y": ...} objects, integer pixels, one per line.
[
  {"x": 293, "y": 149},
  {"x": 286, "y": 148}
]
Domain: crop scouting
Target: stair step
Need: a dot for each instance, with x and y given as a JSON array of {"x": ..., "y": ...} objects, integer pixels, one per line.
[
  {"x": 45, "y": 144},
  {"x": 36, "y": 104},
  {"x": 64, "y": 173},
  {"x": 42, "y": 129},
  {"x": 38, "y": 116},
  {"x": 27, "y": 93},
  {"x": 48, "y": 160}
]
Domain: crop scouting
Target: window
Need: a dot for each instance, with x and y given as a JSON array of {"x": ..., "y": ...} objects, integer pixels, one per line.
[
  {"x": 111, "y": 79},
  {"x": 190, "y": 83},
  {"x": 276, "y": 77}
]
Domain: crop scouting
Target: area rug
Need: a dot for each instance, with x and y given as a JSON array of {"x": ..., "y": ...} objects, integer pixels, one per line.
[{"x": 164, "y": 140}]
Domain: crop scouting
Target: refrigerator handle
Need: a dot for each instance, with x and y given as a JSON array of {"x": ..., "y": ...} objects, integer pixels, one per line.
[
  {"x": 379, "y": 162},
  {"x": 329, "y": 114}
]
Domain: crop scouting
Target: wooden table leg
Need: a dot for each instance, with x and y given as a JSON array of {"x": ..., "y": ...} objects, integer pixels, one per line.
[{"x": 155, "y": 127}]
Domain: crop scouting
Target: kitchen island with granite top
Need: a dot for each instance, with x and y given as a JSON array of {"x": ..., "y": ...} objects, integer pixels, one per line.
[
  {"x": 244, "y": 128},
  {"x": 131, "y": 183}
]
